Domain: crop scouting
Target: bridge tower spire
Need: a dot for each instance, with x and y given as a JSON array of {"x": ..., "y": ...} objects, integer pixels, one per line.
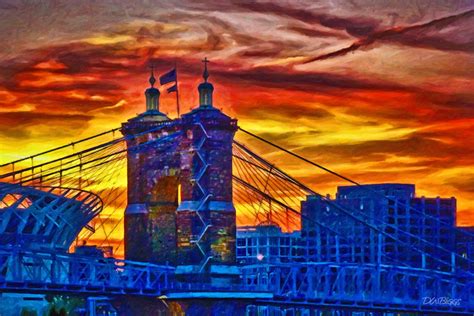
[
  {"x": 152, "y": 94},
  {"x": 206, "y": 88}
]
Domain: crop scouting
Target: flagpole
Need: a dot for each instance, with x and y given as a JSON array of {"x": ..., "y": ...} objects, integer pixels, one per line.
[{"x": 177, "y": 88}]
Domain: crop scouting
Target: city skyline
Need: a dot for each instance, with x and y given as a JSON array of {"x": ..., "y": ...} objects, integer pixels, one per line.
[{"x": 395, "y": 106}]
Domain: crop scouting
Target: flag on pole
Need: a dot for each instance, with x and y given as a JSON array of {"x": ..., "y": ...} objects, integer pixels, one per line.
[
  {"x": 174, "y": 88},
  {"x": 171, "y": 76},
  {"x": 168, "y": 77}
]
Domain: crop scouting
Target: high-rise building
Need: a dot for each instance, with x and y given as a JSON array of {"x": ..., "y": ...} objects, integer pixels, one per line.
[
  {"x": 465, "y": 242},
  {"x": 267, "y": 243},
  {"x": 397, "y": 216}
]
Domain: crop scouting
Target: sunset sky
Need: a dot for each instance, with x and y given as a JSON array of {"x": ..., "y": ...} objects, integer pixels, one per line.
[{"x": 380, "y": 91}]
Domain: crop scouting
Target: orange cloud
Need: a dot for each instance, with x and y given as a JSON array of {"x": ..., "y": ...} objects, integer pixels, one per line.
[{"x": 400, "y": 111}]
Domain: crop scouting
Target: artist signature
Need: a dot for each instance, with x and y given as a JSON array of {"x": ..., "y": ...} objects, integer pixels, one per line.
[{"x": 443, "y": 300}]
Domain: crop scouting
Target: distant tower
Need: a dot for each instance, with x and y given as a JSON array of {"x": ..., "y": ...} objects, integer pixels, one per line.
[
  {"x": 153, "y": 168},
  {"x": 206, "y": 216}
]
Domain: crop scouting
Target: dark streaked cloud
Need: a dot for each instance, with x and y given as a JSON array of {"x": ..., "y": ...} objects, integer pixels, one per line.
[
  {"x": 415, "y": 145},
  {"x": 402, "y": 35},
  {"x": 313, "y": 32},
  {"x": 355, "y": 26},
  {"x": 305, "y": 81}
]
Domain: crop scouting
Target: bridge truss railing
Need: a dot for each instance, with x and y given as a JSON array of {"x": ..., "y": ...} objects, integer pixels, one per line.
[
  {"x": 363, "y": 286},
  {"x": 43, "y": 271}
]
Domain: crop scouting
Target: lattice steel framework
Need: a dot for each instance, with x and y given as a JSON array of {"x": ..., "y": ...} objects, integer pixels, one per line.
[
  {"x": 366, "y": 287},
  {"x": 36, "y": 272},
  {"x": 98, "y": 166},
  {"x": 44, "y": 217}
]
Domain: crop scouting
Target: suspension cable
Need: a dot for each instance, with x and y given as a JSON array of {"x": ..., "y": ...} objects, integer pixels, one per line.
[{"x": 358, "y": 184}]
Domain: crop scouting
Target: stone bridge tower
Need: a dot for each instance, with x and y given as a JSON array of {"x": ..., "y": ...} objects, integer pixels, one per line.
[
  {"x": 180, "y": 208},
  {"x": 153, "y": 166},
  {"x": 206, "y": 228}
]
